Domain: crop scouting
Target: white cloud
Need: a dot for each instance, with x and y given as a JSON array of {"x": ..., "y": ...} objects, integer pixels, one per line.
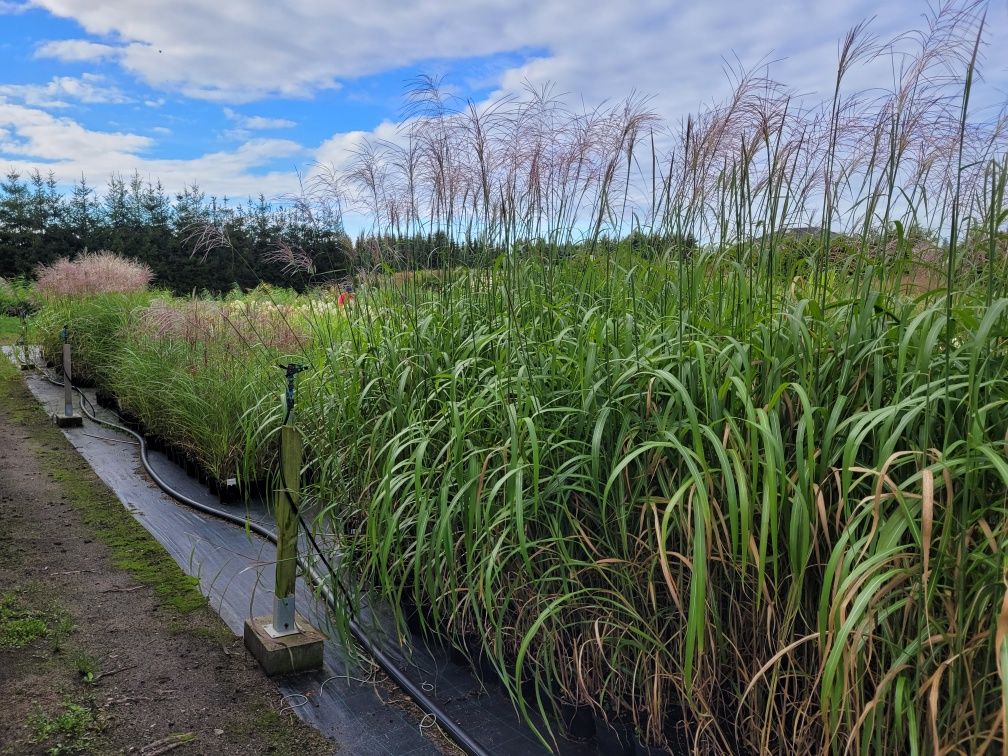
[
  {"x": 88, "y": 88},
  {"x": 36, "y": 134},
  {"x": 76, "y": 51},
  {"x": 9, "y": 8},
  {"x": 339, "y": 149},
  {"x": 32, "y": 138},
  {"x": 243, "y": 50},
  {"x": 258, "y": 123}
]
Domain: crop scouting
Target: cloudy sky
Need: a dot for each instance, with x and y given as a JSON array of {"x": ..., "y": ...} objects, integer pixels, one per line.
[{"x": 239, "y": 95}]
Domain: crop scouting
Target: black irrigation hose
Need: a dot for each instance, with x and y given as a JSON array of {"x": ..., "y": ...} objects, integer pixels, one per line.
[{"x": 465, "y": 741}]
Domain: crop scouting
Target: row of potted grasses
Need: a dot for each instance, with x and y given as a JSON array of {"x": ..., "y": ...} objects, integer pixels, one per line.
[{"x": 193, "y": 373}]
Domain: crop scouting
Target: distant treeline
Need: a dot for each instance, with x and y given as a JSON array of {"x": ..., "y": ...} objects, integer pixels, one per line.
[
  {"x": 190, "y": 241},
  {"x": 195, "y": 242}
]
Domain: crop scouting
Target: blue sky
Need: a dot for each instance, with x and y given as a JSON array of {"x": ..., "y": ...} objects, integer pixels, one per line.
[{"x": 238, "y": 95}]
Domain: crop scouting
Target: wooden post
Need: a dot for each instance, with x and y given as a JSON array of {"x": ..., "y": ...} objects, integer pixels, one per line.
[
  {"x": 68, "y": 419},
  {"x": 285, "y": 642},
  {"x": 287, "y": 501},
  {"x": 67, "y": 381}
]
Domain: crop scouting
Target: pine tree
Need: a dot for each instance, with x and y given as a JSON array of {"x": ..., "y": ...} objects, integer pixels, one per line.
[{"x": 15, "y": 227}]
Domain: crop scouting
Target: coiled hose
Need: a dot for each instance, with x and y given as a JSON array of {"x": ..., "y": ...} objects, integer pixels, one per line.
[{"x": 463, "y": 739}]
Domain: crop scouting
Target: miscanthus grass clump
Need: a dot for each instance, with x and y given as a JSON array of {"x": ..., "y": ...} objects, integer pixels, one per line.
[
  {"x": 92, "y": 273},
  {"x": 667, "y": 449},
  {"x": 762, "y": 527}
]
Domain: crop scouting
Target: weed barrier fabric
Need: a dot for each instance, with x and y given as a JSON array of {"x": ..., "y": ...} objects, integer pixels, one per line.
[{"x": 235, "y": 571}]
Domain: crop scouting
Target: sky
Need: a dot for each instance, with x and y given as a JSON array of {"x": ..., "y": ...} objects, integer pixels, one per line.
[{"x": 240, "y": 96}]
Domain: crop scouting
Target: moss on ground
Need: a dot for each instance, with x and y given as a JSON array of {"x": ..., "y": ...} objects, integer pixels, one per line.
[
  {"x": 133, "y": 548},
  {"x": 73, "y": 728},
  {"x": 218, "y": 632},
  {"x": 24, "y": 619},
  {"x": 19, "y": 625},
  {"x": 272, "y": 727}
]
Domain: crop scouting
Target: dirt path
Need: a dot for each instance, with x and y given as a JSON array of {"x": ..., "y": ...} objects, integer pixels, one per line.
[{"x": 106, "y": 646}]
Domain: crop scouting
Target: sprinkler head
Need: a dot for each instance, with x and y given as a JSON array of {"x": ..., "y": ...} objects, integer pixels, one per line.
[{"x": 292, "y": 369}]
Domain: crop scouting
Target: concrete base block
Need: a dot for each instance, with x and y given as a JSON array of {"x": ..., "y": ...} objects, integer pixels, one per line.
[
  {"x": 73, "y": 421},
  {"x": 289, "y": 653}
]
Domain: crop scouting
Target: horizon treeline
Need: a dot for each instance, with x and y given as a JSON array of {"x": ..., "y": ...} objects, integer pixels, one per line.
[{"x": 192, "y": 241}]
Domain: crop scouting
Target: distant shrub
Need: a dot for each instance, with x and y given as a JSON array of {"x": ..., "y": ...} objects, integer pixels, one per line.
[
  {"x": 15, "y": 297},
  {"x": 264, "y": 292},
  {"x": 95, "y": 273}
]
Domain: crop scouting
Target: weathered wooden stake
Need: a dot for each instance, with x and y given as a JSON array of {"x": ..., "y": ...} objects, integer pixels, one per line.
[
  {"x": 286, "y": 642},
  {"x": 68, "y": 419},
  {"x": 67, "y": 382},
  {"x": 288, "y": 499}
]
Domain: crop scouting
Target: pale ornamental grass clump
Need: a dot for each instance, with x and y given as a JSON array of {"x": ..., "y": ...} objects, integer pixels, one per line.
[{"x": 92, "y": 273}]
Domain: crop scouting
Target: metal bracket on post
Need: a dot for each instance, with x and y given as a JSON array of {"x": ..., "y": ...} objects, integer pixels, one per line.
[
  {"x": 291, "y": 369},
  {"x": 284, "y": 618},
  {"x": 23, "y": 354}
]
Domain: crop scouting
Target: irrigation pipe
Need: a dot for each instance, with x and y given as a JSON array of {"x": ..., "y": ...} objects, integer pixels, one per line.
[{"x": 431, "y": 709}]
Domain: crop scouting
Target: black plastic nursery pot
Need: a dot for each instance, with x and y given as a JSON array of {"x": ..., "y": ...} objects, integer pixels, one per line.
[
  {"x": 482, "y": 666},
  {"x": 258, "y": 488},
  {"x": 228, "y": 491},
  {"x": 132, "y": 422},
  {"x": 106, "y": 399},
  {"x": 676, "y": 727},
  {"x": 457, "y": 656},
  {"x": 645, "y": 750},
  {"x": 411, "y": 616},
  {"x": 578, "y": 721},
  {"x": 79, "y": 381},
  {"x": 417, "y": 618},
  {"x": 615, "y": 737}
]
